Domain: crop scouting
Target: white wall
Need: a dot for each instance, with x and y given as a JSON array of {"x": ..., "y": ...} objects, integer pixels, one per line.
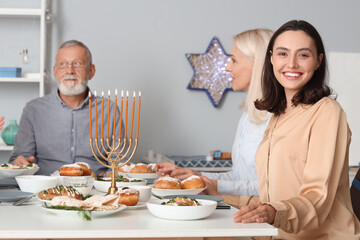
[{"x": 141, "y": 45}]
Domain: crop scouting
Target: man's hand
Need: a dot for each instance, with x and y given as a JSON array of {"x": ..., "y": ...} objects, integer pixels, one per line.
[
  {"x": 21, "y": 160},
  {"x": 255, "y": 212}
]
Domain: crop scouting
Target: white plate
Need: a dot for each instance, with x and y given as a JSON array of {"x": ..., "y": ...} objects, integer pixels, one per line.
[
  {"x": 164, "y": 192},
  {"x": 42, "y": 200},
  {"x": 138, "y": 205},
  {"x": 141, "y": 175},
  {"x": 13, "y": 196},
  {"x": 103, "y": 186},
  {"x": 181, "y": 212},
  {"x": 205, "y": 197},
  {"x": 94, "y": 214},
  {"x": 11, "y": 173}
]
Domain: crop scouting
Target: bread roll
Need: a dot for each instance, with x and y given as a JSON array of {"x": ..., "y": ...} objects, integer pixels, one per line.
[
  {"x": 167, "y": 183},
  {"x": 71, "y": 170},
  {"x": 193, "y": 182}
]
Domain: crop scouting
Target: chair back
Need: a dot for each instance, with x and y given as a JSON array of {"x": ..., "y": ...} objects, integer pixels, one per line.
[{"x": 355, "y": 194}]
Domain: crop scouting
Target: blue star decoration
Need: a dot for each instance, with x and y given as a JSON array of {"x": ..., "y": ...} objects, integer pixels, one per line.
[{"x": 209, "y": 71}]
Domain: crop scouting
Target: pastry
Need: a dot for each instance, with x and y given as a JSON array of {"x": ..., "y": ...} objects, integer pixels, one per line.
[
  {"x": 193, "y": 182},
  {"x": 128, "y": 196},
  {"x": 71, "y": 170},
  {"x": 87, "y": 171},
  {"x": 140, "y": 168},
  {"x": 167, "y": 183}
]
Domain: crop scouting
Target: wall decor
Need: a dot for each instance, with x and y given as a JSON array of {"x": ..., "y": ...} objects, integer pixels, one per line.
[{"x": 209, "y": 71}]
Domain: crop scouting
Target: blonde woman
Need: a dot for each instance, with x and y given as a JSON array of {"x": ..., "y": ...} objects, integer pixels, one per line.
[{"x": 245, "y": 68}]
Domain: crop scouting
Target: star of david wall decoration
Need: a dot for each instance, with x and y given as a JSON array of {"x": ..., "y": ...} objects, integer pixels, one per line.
[{"x": 209, "y": 71}]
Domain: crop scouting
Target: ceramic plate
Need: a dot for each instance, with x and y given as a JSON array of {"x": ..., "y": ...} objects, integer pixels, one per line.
[
  {"x": 42, "y": 200},
  {"x": 13, "y": 196},
  {"x": 103, "y": 186},
  {"x": 181, "y": 212},
  {"x": 138, "y": 205},
  {"x": 165, "y": 192},
  {"x": 205, "y": 197},
  {"x": 11, "y": 173},
  {"x": 94, "y": 214},
  {"x": 141, "y": 175},
  {"x": 8, "y": 182}
]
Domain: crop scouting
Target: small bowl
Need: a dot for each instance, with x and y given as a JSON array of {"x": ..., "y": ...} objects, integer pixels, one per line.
[
  {"x": 83, "y": 184},
  {"x": 103, "y": 186},
  {"x": 35, "y": 183},
  {"x": 144, "y": 192},
  {"x": 181, "y": 212}
]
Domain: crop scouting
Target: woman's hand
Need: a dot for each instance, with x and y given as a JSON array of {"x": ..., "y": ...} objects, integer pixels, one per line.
[
  {"x": 169, "y": 169},
  {"x": 211, "y": 186},
  {"x": 255, "y": 212}
]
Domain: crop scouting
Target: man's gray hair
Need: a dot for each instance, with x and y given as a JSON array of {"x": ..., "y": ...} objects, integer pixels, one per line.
[{"x": 71, "y": 43}]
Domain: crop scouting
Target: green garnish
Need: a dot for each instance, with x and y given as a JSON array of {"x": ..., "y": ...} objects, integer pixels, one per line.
[
  {"x": 84, "y": 214},
  {"x": 119, "y": 179},
  {"x": 4, "y": 165}
]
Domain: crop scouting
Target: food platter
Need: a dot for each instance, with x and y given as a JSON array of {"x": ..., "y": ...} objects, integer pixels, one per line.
[
  {"x": 181, "y": 212},
  {"x": 141, "y": 175},
  {"x": 11, "y": 173},
  {"x": 165, "y": 192},
  {"x": 74, "y": 213},
  {"x": 205, "y": 197},
  {"x": 138, "y": 205}
]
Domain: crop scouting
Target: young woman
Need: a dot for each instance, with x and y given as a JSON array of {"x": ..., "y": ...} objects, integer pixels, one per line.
[
  {"x": 302, "y": 162},
  {"x": 245, "y": 68}
]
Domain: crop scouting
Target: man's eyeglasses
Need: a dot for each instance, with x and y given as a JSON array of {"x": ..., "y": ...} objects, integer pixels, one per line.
[{"x": 77, "y": 66}]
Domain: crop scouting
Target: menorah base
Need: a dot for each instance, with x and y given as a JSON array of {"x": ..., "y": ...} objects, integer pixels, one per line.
[{"x": 112, "y": 190}]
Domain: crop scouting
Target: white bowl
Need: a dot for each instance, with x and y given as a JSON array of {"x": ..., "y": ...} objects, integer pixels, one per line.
[
  {"x": 83, "y": 184},
  {"x": 11, "y": 173},
  {"x": 144, "y": 192},
  {"x": 165, "y": 192},
  {"x": 35, "y": 183},
  {"x": 103, "y": 186},
  {"x": 181, "y": 212}
]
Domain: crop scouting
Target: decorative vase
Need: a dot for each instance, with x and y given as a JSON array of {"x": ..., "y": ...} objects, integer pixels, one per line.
[{"x": 9, "y": 132}]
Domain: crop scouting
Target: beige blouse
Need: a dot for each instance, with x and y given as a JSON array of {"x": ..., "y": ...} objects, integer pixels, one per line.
[{"x": 302, "y": 167}]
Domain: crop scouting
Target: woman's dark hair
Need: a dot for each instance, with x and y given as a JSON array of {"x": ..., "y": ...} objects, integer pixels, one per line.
[{"x": 274, "y": 99}]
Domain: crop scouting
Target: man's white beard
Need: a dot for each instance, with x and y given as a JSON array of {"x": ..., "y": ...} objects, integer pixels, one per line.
[{"x": 68, "y": 89}]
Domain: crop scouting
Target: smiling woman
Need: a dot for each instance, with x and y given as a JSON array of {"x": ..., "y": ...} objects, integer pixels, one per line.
[{"x": 304, "y": 190}]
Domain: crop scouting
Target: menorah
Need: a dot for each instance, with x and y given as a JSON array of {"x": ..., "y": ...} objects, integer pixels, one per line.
[{"x": 112, "y": 152}]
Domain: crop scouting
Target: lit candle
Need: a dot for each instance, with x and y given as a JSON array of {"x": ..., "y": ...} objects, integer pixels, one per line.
[
  {"x": 121, "y": 112},
  {"x": 96, "y": 126},
  {"x": 126, "y": 113},
  {"x": 90, "y": 113},
  {"x": 115, "y": 107},
  {"x": 102, "y": 115},
  {"x": 108, "y": 117},
  {"x": 138, "y": 120},
  {"x": 132, "y": 117}
]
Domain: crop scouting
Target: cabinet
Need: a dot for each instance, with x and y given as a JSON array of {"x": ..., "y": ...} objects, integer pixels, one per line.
[{"x": 36, "y": 77}]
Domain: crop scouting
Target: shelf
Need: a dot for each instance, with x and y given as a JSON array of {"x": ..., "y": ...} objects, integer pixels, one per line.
[
  {"x": 14, "y": 80},
  {"x": 4, "y": 147},
  {"x": 20, "y": 12}
]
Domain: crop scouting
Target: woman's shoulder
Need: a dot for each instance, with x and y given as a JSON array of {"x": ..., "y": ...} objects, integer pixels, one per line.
[{"x": 328, "y": 103}]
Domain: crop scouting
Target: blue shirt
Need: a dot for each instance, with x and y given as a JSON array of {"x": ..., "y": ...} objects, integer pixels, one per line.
[
  {"x": 56, "y": 134},
  {"x": 242, "y": 179}
]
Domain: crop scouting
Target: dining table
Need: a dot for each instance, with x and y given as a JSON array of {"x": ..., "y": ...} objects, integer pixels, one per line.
[{"x": 32, "y": 221}]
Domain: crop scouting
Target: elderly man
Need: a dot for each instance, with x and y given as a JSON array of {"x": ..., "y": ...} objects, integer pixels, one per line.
[{"x": 54, "y": 129}]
